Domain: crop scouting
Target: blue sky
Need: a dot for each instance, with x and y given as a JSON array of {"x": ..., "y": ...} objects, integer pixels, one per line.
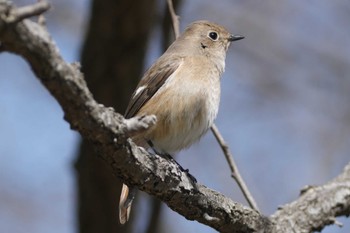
[{"x": 284, "y": 113}]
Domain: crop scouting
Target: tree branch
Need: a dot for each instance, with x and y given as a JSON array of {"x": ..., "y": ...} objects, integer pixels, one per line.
[
  {"x": 316, "y": 207},
  {"x": 174, "y": 18},
  {"x": 236, "y": 175},
  {"x": 17, "y": 14},
  {"x": 107, "y": 130}
]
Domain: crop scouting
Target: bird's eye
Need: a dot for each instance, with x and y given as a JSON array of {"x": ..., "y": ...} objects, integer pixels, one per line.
[{"x": 213, "y": 35}]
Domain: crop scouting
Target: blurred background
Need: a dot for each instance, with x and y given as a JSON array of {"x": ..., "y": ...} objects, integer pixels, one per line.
[{"x": 285, "y": 110}]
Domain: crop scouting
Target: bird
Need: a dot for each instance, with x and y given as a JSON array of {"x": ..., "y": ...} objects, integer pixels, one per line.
[{"x": 182, "y": 89}]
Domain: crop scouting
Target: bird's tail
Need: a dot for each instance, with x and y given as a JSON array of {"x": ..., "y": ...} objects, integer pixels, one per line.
[{"x": 126, "y": 197}]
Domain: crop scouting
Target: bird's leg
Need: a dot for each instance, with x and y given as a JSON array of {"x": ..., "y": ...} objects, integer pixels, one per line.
[{"x": 170, "y": 158}]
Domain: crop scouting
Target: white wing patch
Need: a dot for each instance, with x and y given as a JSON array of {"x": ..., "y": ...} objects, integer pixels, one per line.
[{"x": 139, "y": 90}]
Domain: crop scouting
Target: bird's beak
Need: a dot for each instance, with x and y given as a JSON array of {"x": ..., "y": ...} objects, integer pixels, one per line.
[{"x": 235, "y": 37}]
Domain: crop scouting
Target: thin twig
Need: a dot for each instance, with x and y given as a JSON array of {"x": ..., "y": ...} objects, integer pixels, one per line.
[
  {"x": 175, "y": 19},
  {"x": 41, "y": 17},
  {"x": 234, "y": 170}
]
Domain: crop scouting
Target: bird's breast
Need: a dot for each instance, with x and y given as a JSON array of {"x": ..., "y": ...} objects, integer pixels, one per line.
[{"x": 185, "y": 106}]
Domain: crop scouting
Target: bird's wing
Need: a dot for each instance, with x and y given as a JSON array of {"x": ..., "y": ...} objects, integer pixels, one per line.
[{"x": 152, "y": 81}]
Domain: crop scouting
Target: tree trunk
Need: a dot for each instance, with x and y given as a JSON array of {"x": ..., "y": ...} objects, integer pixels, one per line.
[{"x": 112, "y": 61}]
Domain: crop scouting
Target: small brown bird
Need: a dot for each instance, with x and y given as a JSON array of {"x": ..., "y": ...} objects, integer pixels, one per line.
[{"x": 182, "y": 89}]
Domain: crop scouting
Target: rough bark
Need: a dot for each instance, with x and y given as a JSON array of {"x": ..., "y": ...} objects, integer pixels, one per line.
[
  {"x": 108, "y": 133},
  {"x": 316, "y": 207}
]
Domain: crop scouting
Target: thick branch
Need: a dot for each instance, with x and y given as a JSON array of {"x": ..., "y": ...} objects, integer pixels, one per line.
[
  {"x": 317, "y": 207},
  {"x": 108, "y": 130},
  {"x": 18, "y": 14}
]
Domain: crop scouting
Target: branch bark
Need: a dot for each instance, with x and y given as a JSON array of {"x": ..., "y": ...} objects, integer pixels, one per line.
[
  {"x": 108, "y": 130},
  {"x": 316, "y": 207}
]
